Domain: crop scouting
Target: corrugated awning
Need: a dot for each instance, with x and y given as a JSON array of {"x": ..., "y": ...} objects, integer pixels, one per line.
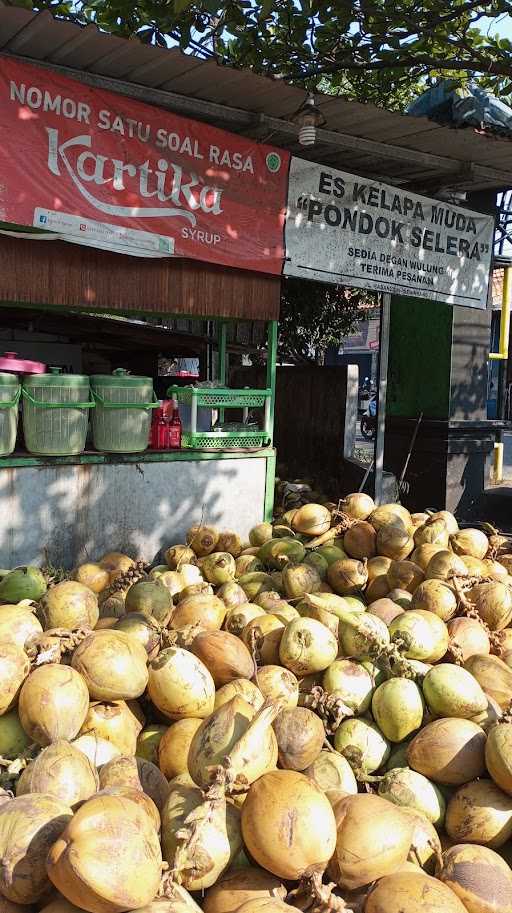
[{"x": 359, "y": 138}]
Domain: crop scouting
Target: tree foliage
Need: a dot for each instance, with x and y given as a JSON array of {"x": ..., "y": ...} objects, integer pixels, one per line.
[
  {"x": 305, "y": 40},
  {"x": 315, "y": 316},
  {"x": 366, "y": 50}
]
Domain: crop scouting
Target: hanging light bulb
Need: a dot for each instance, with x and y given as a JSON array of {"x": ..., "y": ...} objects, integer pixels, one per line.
[{"x": 308, "y": 117}]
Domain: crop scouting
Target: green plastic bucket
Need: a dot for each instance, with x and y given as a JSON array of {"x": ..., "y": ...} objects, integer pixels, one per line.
[
  {"x": 10, "y": 390},
  {"x": 55, "y": 413},
  {"x": 122, "y": 417}
]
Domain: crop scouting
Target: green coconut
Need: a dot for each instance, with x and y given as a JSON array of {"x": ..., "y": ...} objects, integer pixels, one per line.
[
  {"x": 276, "y": 553},
  {"x": 150, "y": 597},
  {"x": 425, "y": 635},
  {"x": 260, "y": 534},
  {"x": 218, "y": 568},
  {"x": 13, "y": 738},
  {"x": 363, "y": 745},
  {"x": 351, "y": 682},
  {"x": 360, "y": 633},
  {"x": 148, "y": 742},
  {"x": 300, "y": 579},
  {"x": 319, "y": 563},
  {"x": 397, "y": 708},
  {"x": 412, "y": 790},
  {"x": 255, "y": 583},
  {"x": 331, "y": 553},
  {"x": 22, "y": 583},
  {"x": 451, "y": 691}
]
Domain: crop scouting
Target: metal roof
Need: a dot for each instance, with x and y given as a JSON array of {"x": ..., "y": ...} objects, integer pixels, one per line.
[{"x": 359, "y": 138}]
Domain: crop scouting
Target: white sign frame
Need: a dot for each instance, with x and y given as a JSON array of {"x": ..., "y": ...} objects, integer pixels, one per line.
[{"x": 356, "y": 232}]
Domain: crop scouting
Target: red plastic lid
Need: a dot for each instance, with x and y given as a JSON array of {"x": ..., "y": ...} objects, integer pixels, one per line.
[{"x": 10, "y": 362}]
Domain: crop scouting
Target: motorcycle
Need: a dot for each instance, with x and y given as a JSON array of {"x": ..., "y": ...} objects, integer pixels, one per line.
[{"x": 368, "y": 423}]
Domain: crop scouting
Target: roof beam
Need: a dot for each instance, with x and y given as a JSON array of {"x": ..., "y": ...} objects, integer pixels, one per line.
[{"x": 274, "y": 127}]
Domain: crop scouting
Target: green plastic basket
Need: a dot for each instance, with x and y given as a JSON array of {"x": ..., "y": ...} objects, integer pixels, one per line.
[
  {"x": 219, "y": 397},
  {"x": 55, "y": 413},
  {"x": 225, "y": 440},
  {"x": 122, "y": 417},
  {"x": 10, "y": 390}
]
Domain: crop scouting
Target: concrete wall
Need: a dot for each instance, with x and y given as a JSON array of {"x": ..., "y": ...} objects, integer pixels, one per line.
[{"x": 70, "y": 513}]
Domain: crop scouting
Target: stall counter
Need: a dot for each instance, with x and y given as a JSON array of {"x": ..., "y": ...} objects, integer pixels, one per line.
[{"x": 72, "y": 509}]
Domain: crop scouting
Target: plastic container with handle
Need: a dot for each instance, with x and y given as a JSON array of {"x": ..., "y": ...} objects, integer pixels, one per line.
[
  {"x": 122, "y": 418},
  {"x": 55, "y": 413},
  {"x": 10, "y": 391}
]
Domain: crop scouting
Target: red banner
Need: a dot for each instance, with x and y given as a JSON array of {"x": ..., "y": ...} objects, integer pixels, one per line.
[{"x": 99, "y": 168}]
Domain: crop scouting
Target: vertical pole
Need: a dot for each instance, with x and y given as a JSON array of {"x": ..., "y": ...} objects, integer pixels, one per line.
[
  {"x": 502, "y": 357},
  {"x": 270, "y": 478},
  {"x": 272, "y": 335},
  {"x": 223, "y": 339},
  {"x": 385, "y": 313}
]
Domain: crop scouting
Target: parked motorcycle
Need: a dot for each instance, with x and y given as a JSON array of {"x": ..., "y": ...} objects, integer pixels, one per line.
[{"x": 368, "y": 423}]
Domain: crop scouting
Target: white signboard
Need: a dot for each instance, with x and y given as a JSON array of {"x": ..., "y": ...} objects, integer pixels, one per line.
[{"x": 355, "y": 232}]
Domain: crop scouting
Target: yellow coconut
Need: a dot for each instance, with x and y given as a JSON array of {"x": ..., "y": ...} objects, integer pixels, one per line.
[
  {"x": 391, "y": 514},
  {"x": 471, "y": 542},
  {"x": 174, "y": 746},
  {"x": 29, "y": 826},
  {"x": 114, "y": 722},
  {"x": 61, "y": 770},
  {"x": 180, "y": 685},
  {"x": 394, "y": 542},
  {"x": 104, "y": 829},
  {"x": 412, "y": 892},
  {"x": 236, "y": 887},
  {"x": 14, "y": 669},
  {"x": 69, "y": 605},
  {"x": 240, "y": 615},
  {"x": 288, "y": 824},
  {"x": 307, "y": 646},
  {"x": 423, "y": 554},
  {"x": 237, "y": 737},
  {"x": 358, "y": 506},
  {"x": 224, "y": 655},
  {"x": 468, "y": 637},
  {"x": 498, "y": 756},
  {"x": 311, "y": 520},
  {"x": 18, "y": 625},
  {"x": 445, "y": 565},
  {"x": 433, "y": 532},
  {"x": 493, "y": 675},
  {"x": 240, "y": 687},
  {"x": 207, "y": 611},
  {"x": 278, "y": 684},
  {"x": 135, "y": 773},
  {"x": 113, "y": 665},
  {"x": 53, "y": 704},
  {"x": 435, "y": 596},
  {"x": 263, "y": 635},
  {"x": 449, "y": 751},
  {"x": 493, "y": 602},
  {"x": 480, "y": 878},
  {"x": 373, "y": 840},
  {"x": 480, "y": 812}
]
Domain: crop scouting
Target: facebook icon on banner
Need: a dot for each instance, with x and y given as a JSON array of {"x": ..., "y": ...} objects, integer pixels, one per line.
[{"x": 43, "y": 219}]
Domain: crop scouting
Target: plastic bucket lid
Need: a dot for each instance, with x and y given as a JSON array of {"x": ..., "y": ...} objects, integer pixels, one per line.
[
  {"x": 9, "y": 361},
  {"x": 56, "y": 380},
  {"x": 119, "y": 378},
  {"x": 8, "y": 380}
]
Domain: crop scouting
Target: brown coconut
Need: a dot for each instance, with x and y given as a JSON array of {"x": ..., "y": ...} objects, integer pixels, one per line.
[
  {"x": 300, "y": 736},
  {"x": 449, "y": 751},
  {"x": 224, "y": 655}
]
